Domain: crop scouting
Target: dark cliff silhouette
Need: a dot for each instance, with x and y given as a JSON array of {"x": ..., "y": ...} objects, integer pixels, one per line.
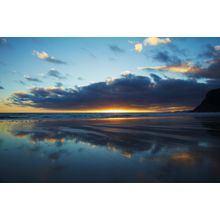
[{"x": 211, "y": 103}]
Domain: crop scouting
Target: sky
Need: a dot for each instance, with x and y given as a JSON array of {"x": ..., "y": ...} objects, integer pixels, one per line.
[{"x": 116, "y": 74}]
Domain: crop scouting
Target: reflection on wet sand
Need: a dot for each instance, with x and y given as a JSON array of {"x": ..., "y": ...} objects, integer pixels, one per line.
[
  {"x": 182, "y": 157},
  {"x": 169, "y": 149}
]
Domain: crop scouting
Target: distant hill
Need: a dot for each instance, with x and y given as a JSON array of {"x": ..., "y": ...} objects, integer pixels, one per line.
[{"x": 211, "y": 103}]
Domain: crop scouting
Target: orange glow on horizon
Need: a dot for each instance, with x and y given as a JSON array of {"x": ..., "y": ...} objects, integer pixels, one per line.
[
  {"x": 115, "y": 110},
  {"x": 15, "y": 109}
]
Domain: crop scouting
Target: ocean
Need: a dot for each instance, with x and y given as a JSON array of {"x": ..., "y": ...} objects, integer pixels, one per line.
[{"x": 47, "y": 116}]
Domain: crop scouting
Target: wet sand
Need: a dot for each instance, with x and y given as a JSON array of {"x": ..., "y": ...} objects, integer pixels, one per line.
[{"x": 151, "y": 149}]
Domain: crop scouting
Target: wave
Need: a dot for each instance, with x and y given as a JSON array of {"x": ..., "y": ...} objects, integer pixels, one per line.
[{"x": 47, "y": 116}]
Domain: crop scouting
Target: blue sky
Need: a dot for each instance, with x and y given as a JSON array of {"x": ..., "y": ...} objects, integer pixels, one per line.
[{"x": 27, "y": 63}]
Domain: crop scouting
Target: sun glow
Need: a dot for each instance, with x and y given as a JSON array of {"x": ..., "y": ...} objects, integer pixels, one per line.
[
  {"x": 114, "y": 111},
  {"x": 137, "y": 110}
]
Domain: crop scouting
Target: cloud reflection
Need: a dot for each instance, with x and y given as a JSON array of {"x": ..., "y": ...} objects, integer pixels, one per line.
[
  {"x": 172, "y": 149},
  {"x": 125, "y": 136}
]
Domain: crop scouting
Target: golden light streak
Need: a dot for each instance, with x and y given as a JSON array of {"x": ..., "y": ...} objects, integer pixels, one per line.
[
  {"x": 16, "y": 109},
  {"x": 183, "y": 68}
]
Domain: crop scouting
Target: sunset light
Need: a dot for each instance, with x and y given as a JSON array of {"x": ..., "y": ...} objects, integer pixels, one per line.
[{"x": 109, "y": 109}]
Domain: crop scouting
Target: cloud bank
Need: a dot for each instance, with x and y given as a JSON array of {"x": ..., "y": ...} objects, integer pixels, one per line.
[
  {"x": 212, "y": 71},
  {"x": 130, "y": 91}
]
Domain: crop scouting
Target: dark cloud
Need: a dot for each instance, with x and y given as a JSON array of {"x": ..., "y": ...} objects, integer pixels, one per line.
[
  {"x": 128, "y": 91},
  {"x": 210, "y": 52},
  {"x": 32, "y": 79},
  {"x": 210, "y": 72},
  {"x": 196, "y": 71},
  {"x": 56, "y": 74},
  {"x": 45, "y": 56},
  {"x": 165, "y": 57},
  {"x": 155, "y": 77},
  {"x": 59, "y": 84},
  {"x": 177, "y": 50},
  {"x": 54, "y": 60},
  {"x": 80, "y": 78},
  {"x": 116, "y": 49}
]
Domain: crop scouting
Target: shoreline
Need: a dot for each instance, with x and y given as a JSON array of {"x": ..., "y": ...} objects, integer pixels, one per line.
[{"x": 97, "y": 116}]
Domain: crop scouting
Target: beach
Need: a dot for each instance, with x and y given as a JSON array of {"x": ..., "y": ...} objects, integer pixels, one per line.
[{"x": 134, "y": 148}]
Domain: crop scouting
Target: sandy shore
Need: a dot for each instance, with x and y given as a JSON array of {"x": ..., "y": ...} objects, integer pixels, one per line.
[{"x": 151, "y": 146}]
